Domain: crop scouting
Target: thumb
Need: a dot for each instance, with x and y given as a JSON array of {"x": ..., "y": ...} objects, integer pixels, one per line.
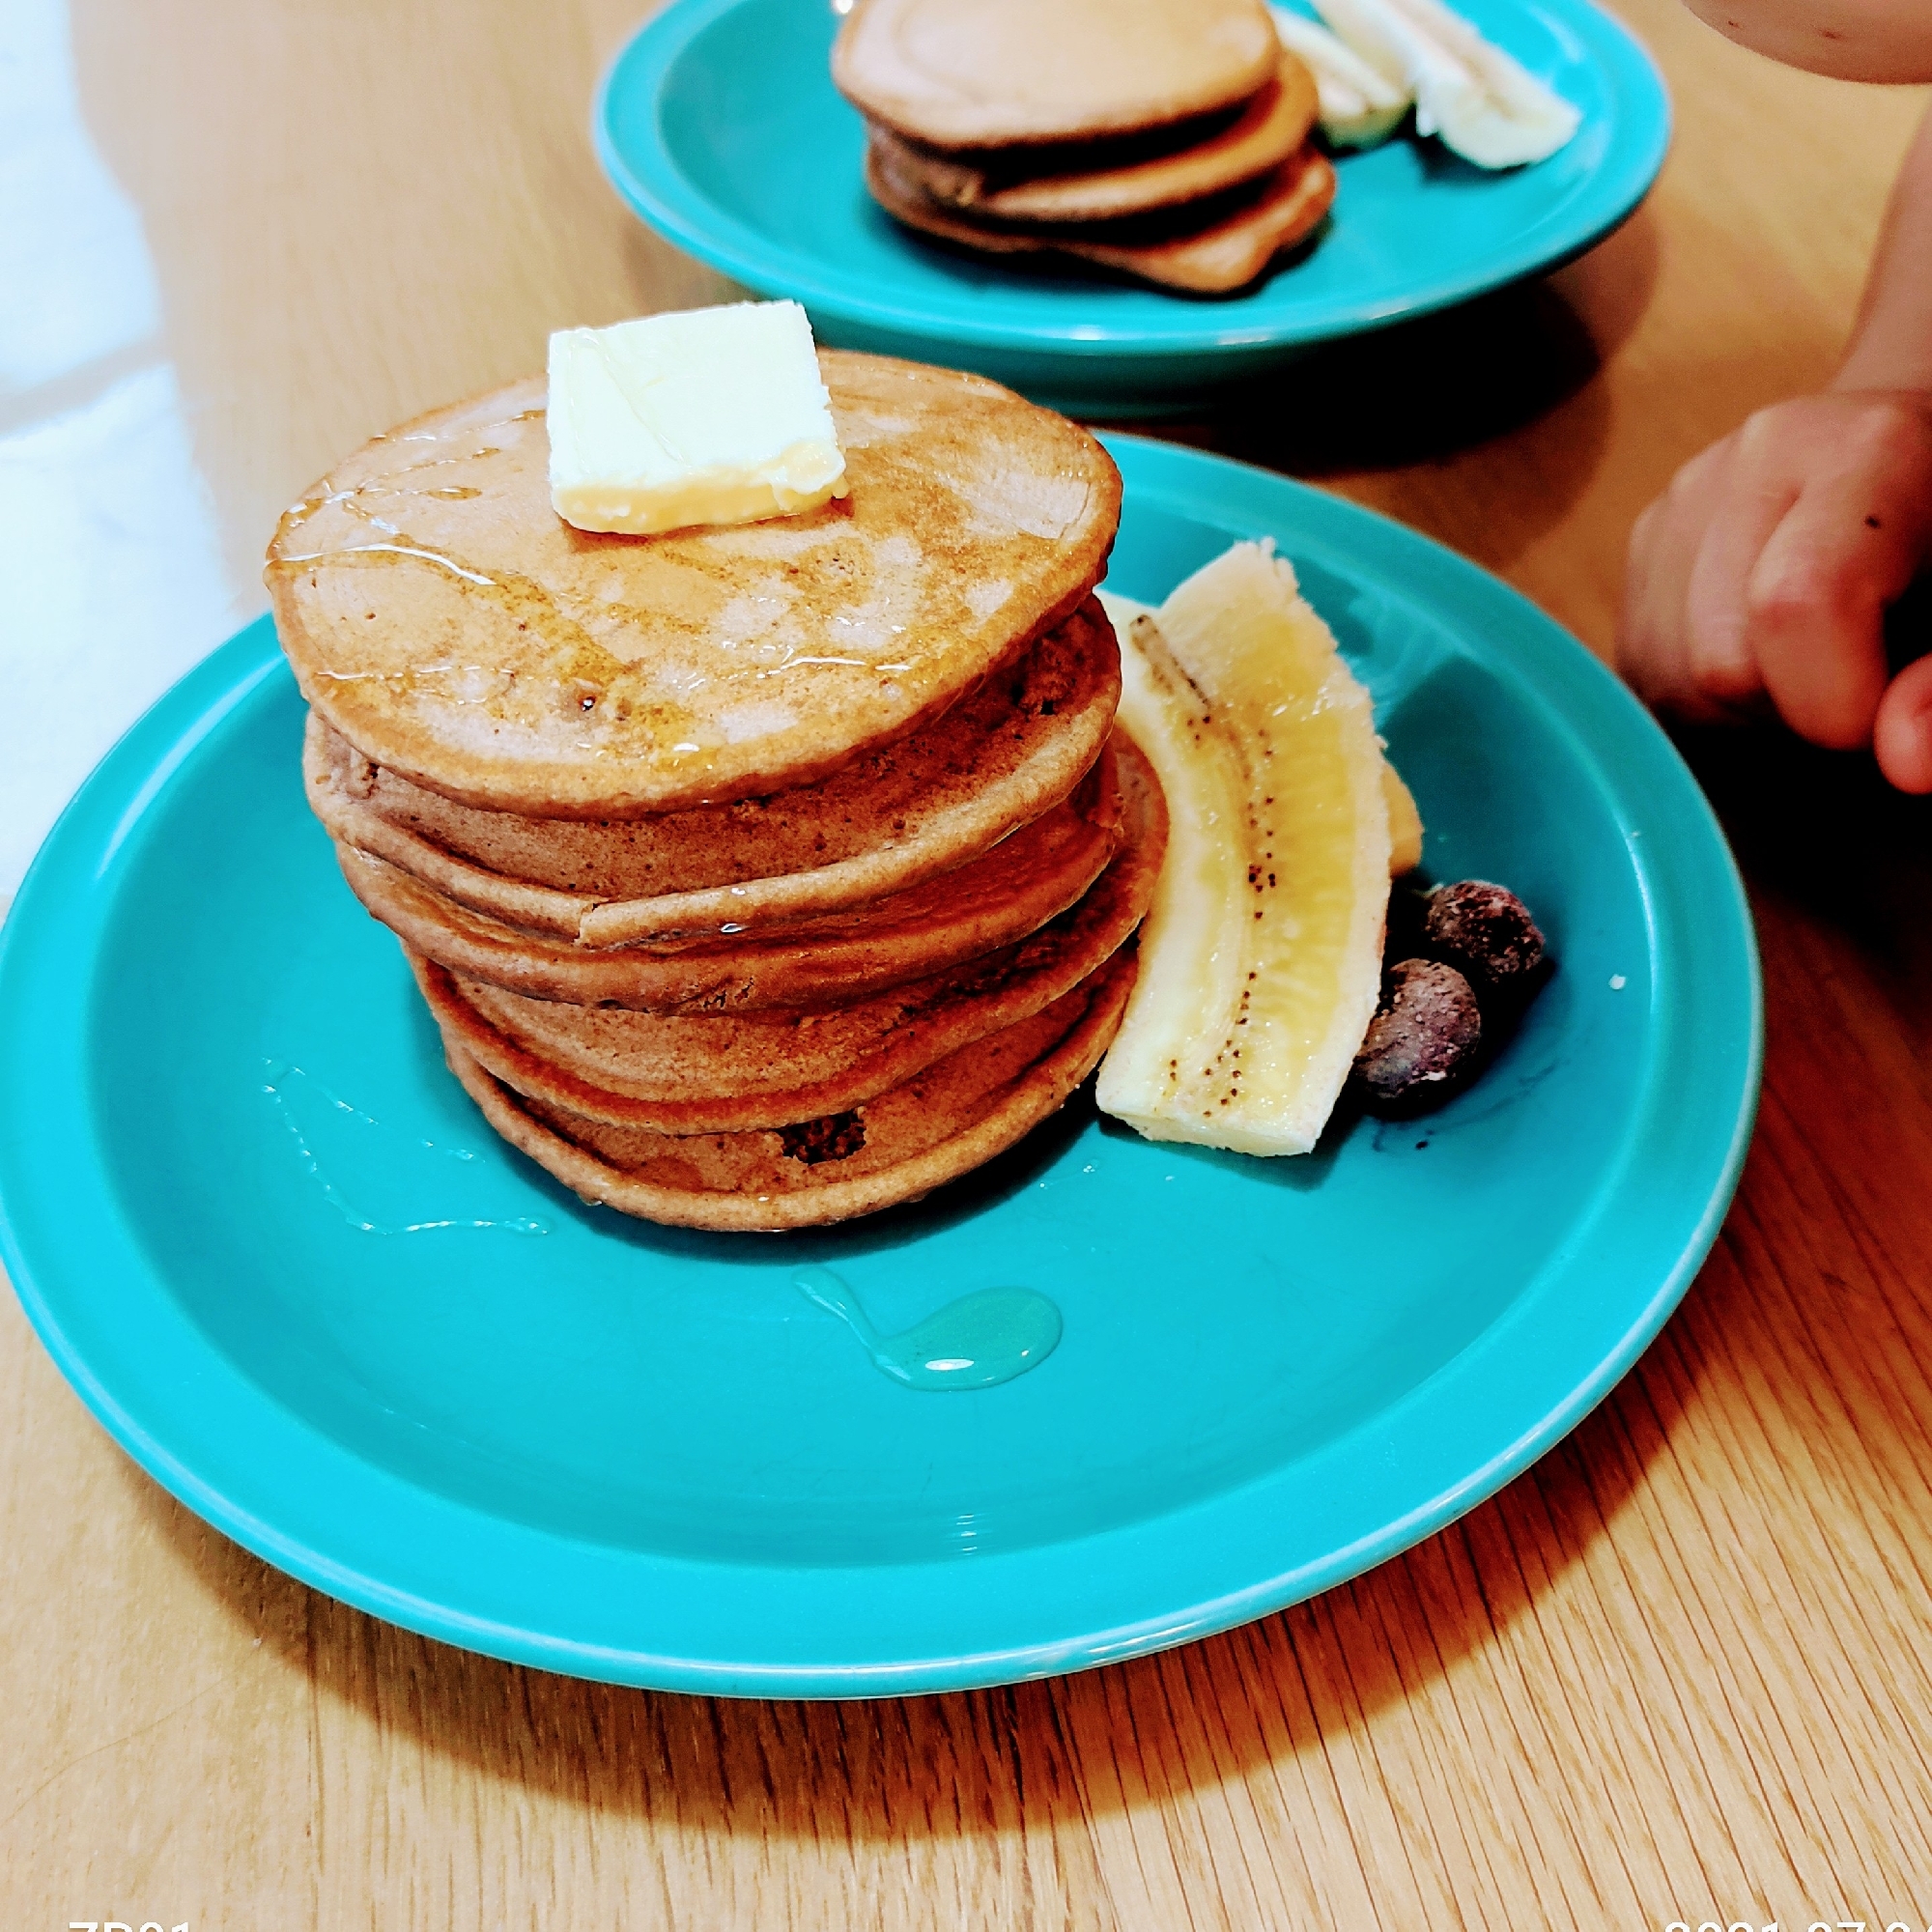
[
  {"x": 1816, "y": 596},
  {"x": 1902, "y": 735}
]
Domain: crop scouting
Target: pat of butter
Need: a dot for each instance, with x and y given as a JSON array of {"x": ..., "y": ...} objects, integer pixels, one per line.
[{"x": 710, "y": 415}]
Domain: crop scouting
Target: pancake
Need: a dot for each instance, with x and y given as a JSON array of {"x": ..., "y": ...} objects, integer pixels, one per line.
[
  {"x": 445, "y": 621},
  {"x": 1081, "y": 188},
  {"x": 989, "y": 74},
  {"x": 1012, "y": 891},
  {"x": 891, "y": 818},
  {"x": 681, "y": 1074},
  {"x": 1224, "y": 255},
  {"x": 952, "y": 1117}
]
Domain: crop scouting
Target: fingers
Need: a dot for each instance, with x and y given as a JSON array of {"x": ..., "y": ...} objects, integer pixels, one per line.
[
  {"x": 1763, "y": 574},
  {"x": 1850, "y": 541},
  {"x": 1902, "y": 731},
  {"x": 1752, "y": 497},
  {"x": 1653, "y": 648}
]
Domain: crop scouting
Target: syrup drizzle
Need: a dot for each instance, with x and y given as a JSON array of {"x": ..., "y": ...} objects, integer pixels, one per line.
[
  {"x": 379, "y": 1157},
  {"x": 979, "y": 1341}
]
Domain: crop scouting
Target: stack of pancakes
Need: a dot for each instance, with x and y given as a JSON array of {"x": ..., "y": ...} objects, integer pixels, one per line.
[
  {"x": 1167, "y": 139},
  {"x": 757, "y": 877}
]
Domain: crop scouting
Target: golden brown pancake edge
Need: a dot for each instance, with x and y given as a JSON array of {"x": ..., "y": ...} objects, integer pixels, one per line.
[
  {"x": 448, "y": 623},
  {"x": 1273, "y": 127},
  {"x": 968, "y": 797},
  {"x": 1006, "y": 1112},
  {"x": 683, "y": 1075},
  {"x": 945, "y": 922},
  {"x": 1222, "y": 258}
]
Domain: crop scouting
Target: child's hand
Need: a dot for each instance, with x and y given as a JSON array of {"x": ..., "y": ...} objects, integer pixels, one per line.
[{"x": 1762, "y": 575}]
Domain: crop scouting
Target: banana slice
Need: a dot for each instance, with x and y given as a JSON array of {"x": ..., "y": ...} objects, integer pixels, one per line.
[
  {"x": 1359, "y": 107},
  {"x": 1404, "y": 822},
  {"x": 1261, "y": 959},
  {"x": 1484, "y": 105},
  {"x": 1405, "y": 818}
]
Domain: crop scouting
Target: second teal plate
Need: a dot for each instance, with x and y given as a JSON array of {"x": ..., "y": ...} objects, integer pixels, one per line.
[
  {"x": 271, "y": 1243},
  {"x": 719, "y": 124}
]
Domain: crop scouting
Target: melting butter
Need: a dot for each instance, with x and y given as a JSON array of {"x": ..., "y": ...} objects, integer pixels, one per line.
[{"x": 712, "y": 415}]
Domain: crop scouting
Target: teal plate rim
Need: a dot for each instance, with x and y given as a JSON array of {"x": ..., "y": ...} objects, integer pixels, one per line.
[
  {"x": 651, "y": 182},
  {"x": 230, "y": 1452}
]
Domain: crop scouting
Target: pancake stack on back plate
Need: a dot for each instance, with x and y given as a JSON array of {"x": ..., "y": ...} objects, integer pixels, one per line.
[
  {"x": 1167, "y": 139},
  {"x": 757, "y": 877}
]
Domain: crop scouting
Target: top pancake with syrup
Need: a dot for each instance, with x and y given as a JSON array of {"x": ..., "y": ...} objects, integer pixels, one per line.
[
  {"x": 990, "y": 73},
  {"x": 445, "y": 621}
]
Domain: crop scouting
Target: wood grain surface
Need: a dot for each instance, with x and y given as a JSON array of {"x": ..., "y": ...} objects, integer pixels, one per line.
[{"x": 1680, "y": 1671}]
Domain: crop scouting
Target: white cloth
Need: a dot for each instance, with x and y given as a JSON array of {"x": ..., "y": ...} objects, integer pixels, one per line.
[{"x": 111, "y": 576}]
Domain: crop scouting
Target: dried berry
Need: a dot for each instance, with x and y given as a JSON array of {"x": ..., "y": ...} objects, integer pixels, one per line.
[
  {"x": 1485, "y": 933},
  {"x": 1424, "y": 1034},
  {"x": 835, "y": 1137}
]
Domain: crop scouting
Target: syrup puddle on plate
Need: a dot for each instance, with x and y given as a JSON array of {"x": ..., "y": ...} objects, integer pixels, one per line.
[
  {"x": 359, "y": 1164},
  {"x": 979, "y": 1341}
]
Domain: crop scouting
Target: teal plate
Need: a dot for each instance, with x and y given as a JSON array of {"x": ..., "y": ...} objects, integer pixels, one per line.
[
  {"x": 275, "y": 1249},
  {"x": 719, "y": 124}
]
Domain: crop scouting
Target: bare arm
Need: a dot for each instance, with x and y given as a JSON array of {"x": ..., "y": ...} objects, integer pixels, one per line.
[
  {"x": 1891, "y": 340},
  {"x": 1762, "y": 575},
  {"x": 1887, "y": 41}
]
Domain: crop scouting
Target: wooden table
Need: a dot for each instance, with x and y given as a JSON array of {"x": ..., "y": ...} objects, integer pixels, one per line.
[{"x": 1680, "y": 1671}]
